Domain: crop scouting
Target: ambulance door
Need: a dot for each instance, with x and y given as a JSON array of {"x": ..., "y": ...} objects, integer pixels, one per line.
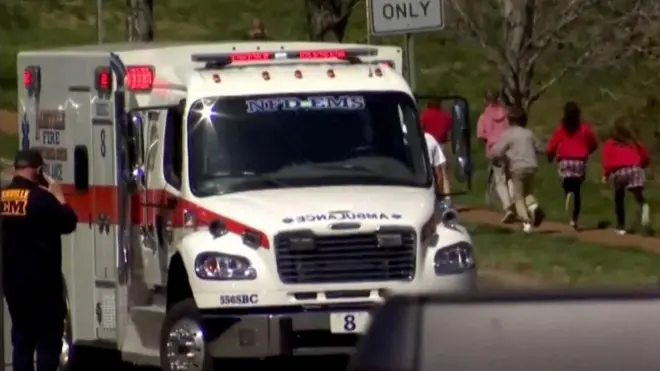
[
  {"x": 459, "y": 150},
  {"x": 157, "y": 194},
  {"x": 103, "y": 177},
  {"x": 154, "y": 250},
  {"x": 104, "y": 219}
]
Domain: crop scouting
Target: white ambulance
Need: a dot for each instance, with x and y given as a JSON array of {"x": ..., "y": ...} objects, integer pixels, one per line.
[{"x": 237, "y": 200}]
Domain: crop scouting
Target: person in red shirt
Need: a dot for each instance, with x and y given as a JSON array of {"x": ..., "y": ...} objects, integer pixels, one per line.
[
  {"x": 624, "y": 159},
  {"x": 571, "y": 144},
  {"x": 436, "y": 121}
]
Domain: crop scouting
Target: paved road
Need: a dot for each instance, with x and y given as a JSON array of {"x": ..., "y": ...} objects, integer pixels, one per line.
[{"x": 291, "y": 364}]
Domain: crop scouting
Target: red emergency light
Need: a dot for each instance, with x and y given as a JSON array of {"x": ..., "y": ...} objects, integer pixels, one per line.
[
  {"x": 390, "y": 64},
  {"x": 103, "y": 80},
  {"x": 27, "y": 78},
  {"x": 32, "y": 79},
  {"x": 223, "y": 59},
  {"x": 140, "y": 78}
]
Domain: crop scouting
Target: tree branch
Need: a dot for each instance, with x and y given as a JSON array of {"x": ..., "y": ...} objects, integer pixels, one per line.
[
  {"x": 494, "y": 54},
  {"x": 580, "y": 32},
  {"x": 556, "y": 77}
]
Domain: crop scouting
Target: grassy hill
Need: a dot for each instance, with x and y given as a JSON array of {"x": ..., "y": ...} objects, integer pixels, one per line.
[{"x": 447, "y": 63}]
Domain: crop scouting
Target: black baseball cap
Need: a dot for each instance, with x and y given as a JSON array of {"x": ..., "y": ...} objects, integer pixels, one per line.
[{"x": 28, "y": 159}]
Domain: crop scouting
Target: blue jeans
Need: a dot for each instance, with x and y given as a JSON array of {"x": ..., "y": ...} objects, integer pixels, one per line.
[{"x": 47, "y": 343}]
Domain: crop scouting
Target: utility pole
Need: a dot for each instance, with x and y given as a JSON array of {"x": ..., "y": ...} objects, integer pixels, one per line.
[
  {"x": 128, "y": 26},
  {"x": 140, "y": 21},
  {"x": 99, "y": 21}
]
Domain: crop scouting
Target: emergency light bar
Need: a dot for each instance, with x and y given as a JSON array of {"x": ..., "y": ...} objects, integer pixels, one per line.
[{"x": 223, "y": 59}]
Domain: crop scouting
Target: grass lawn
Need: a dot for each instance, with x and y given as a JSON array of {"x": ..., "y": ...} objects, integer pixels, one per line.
[{"x": 560, "y": 261}]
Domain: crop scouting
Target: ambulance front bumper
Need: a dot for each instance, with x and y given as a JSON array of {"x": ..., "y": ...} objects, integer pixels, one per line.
[
  {"x": 291, "y": 331},
  {"x": 304, "y": 330}
]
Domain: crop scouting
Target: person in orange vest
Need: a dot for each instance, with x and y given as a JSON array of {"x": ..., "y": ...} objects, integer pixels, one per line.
[{"x": 35, "y": 215}]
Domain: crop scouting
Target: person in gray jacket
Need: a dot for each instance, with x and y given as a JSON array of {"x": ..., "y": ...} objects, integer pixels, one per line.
[{"x": 518, "y": 147}]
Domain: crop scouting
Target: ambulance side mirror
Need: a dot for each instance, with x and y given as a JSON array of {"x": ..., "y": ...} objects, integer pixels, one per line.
[
  {"x": 81, "y": 168},
  {"x": 135, "y": 123},
  {"x": 461, "y": 135},
  {"x": 135, "y": 150}
]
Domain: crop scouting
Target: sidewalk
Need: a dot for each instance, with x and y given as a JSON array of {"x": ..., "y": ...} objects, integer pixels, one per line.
[{"x": 597, "y": 236}]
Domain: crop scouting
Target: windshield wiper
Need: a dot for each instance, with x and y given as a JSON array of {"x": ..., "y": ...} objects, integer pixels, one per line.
[
  {"x": 250, "y": 176},
  {"x": 349, "y": 167}
]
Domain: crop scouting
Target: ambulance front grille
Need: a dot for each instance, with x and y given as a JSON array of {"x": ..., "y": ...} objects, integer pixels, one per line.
[{"x": 355, "y": 257}]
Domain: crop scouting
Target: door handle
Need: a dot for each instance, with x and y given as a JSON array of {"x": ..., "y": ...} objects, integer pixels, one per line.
[{"x": 103, "y": 222}]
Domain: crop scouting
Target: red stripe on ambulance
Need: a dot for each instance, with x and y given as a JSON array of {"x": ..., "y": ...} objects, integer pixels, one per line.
[{"x": 104, "y": 201}]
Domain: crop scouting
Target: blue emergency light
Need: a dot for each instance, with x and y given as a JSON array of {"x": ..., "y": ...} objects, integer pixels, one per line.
[{"x": 223, "y": 59}]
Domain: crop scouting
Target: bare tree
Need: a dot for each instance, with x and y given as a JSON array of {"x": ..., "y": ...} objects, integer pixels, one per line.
[
  {"x": 327, "y": 19},
  {"x": 140, "y": 21},
  {"x": 562, "y": 35}
]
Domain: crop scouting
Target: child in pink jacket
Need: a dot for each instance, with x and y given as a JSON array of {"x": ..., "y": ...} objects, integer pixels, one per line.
[{"x": 492, "y": 123}]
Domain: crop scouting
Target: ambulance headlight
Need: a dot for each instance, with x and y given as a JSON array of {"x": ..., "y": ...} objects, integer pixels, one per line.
[
  {"x": 454, "y": 259},
  {"x": 224, "y": 267}
]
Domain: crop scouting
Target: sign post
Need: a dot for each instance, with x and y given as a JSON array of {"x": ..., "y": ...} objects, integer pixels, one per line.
[
  {"x": 3, "y": 317},
  {"x": 405, "y": 17},
  {"x": 99, "y": 22}
]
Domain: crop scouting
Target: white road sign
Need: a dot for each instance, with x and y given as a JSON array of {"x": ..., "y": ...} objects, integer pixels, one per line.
[{"x": 390, "y": 17}]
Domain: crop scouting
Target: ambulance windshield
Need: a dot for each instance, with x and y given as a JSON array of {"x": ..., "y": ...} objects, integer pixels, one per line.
[{"x": 305, "y": 140}]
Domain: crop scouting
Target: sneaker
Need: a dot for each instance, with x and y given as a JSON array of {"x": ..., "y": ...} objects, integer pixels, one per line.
[
  {"x": 620, "y": 231},
  {"x": 537, "y": 215},
  {"x": 509, "y": 217},
  {"x": 568, "y": 203},
  {"x": 646, "y": 215},
  {"x": 573, "y": 224},
  {"x": 527, "y": 227}
]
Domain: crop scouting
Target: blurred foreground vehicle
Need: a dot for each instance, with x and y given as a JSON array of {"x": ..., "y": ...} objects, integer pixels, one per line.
[{"x": 514, "y": 332}]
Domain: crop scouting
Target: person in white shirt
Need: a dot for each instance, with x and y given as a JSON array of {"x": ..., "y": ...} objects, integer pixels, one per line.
[{"x": 439, "y": 163}]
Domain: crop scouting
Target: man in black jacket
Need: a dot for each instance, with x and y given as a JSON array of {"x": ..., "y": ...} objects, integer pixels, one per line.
[{"x": 34, "y": 216}]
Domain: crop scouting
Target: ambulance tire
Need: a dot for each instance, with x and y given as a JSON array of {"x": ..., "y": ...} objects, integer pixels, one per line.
[{"x": 181, "y": 312}]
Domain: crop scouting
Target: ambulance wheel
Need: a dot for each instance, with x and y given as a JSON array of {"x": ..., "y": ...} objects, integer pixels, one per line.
[
  {"x": 182, "y": 343},
  {"x": 66, "y": 355},
  {"x": 81, "y": 358}
]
